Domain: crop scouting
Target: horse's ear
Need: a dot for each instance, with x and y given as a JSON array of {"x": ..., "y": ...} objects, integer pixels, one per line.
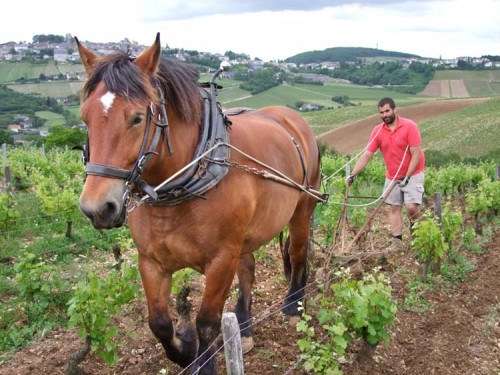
[
  {"x": 88, "y": 57},
  {"x": 148, "y": 60}
]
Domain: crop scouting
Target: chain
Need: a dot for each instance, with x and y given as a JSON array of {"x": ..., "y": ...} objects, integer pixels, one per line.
[{"x": 245, "y": 168}]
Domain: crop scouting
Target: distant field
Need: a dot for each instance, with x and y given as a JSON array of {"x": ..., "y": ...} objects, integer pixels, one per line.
[
  {"x": 327, "y": 120},
  {"x": 74, "y": 110},
  {"x": 70, "y": 68},
  {"x": 54, "y": 89},
  {"x": 51, "y": 117},
  {"x": 289, "y": 95},
  {"x": 472, "y": 131},
  {"x": 458, "y": 83},
  {"x": 482, "y": 75},
  {"x": 10, "y": 71},
  {"x": 446, "y": 84}
]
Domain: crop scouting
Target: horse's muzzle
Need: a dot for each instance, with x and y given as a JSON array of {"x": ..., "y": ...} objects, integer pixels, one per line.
[
  {"x": 105, "y": 210},
  {"x": 107, "y": 216}
]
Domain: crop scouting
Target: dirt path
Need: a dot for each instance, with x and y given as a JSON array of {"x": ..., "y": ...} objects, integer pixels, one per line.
[{"x": 353, "y": 137}]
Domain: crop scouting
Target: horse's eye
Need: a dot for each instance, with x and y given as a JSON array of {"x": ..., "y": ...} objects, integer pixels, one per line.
[{"x": 137, "y": 120}]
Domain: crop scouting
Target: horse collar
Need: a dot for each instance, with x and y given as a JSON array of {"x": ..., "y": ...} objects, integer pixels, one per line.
[{"x": 209, "y": 170}]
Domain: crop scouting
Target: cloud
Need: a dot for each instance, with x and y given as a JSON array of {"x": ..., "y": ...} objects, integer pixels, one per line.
[
  {"x": 187, "y": 9},
  {"x": 272, "y": 29}
]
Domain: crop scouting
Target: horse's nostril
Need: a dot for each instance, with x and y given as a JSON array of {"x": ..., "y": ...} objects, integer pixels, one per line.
[{"x": 109, "y": 209}]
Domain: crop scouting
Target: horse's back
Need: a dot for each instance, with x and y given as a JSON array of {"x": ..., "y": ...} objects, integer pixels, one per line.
[{"x": 278, "y": 131}]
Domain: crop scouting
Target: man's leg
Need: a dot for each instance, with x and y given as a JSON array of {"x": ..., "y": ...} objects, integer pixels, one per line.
[
  {"x": 413, "y": 196},
  {"x": 395, "y": 202},
  {"x": 413, "y": 213},
  {"x": 396, "y": 220}
]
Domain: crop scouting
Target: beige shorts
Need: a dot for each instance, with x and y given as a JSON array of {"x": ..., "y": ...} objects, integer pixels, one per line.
[{"x": 411, "y": 193}]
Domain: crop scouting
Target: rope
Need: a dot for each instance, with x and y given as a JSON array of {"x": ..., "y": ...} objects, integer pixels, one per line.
[
  {"x": 383, "y": 192},
  {"x": 354, "y": 157}
]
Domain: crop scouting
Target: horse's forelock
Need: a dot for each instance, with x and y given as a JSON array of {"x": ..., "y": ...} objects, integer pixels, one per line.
[{"x": 121, "y": 77}]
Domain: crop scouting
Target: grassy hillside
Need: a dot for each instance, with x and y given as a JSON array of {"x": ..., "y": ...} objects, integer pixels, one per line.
[
  {"x": 343, "y": 54},
  {"x": 53, "y": 89},
  {"x": 478, "y": 83},
  {"x": 288, "y": 95},
  {"x": 12, "y": 71},
  {"x": 473, "y": 131},
  {"x": 51, "y": 118}
]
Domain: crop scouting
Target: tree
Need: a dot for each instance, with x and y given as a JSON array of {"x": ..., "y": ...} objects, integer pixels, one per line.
[
  {"x": 61, "y": 136},
  {"x": 6, "y": 137},
  {"x": 38, "y": 122}
]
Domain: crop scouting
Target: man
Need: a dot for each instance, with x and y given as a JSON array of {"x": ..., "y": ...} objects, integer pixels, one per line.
[{"x": 399, "y": 140}]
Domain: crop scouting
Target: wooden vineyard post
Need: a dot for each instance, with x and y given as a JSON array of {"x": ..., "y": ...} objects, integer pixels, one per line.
[
  {"x": 232, "y": 344},
  {"x": 7, "y": 180},
  {"x": 437, "y": 213},
  {"x": 437, "y": 206}
]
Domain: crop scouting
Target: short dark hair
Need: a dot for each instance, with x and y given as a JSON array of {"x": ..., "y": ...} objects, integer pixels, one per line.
[{"x": 385, "y": 101}]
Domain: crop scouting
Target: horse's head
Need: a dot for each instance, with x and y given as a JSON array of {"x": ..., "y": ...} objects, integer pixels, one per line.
[{"x": 116, "y": 103}]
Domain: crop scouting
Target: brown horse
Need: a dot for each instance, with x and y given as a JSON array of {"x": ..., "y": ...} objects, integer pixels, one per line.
[{"x": 202, "y": 188}]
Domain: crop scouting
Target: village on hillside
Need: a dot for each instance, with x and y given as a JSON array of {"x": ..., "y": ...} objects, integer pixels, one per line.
[
  {"x": 66, "y": 52},
  {"x": 63, "y": 50}
]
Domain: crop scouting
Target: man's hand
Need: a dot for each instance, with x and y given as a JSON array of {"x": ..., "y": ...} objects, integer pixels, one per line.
[
  {"x": 350, "y": 179},
  {"x": 403, "y": 181}
]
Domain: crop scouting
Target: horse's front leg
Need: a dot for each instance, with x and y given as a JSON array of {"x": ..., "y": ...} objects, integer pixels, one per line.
[
  {"x": 219, "y": 276},
  {"x": 180, "y": 346}
]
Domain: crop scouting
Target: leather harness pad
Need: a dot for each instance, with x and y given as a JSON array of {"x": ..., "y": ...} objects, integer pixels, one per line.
[{"x": 209, "y": 171}]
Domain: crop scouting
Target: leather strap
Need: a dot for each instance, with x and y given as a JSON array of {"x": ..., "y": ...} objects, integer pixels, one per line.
[{"x": 107, "y": 171}]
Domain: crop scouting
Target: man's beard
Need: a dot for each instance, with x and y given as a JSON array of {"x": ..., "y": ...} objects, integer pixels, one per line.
[{"x": 389, "y": 119}]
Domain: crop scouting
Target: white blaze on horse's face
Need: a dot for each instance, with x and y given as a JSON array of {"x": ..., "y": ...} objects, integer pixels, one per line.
[{"x": 107, "y": 101}]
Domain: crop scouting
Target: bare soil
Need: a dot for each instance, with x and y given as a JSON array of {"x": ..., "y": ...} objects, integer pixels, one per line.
[
  {"x": 353, "y": 137},
  {"x": 458, "y": 334},
  {"x": 446, "y": 88}
]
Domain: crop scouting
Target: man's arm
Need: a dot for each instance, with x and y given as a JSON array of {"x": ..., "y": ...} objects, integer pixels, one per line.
[
  {"x": 360, "y": 165},
  {"x": 415, "y": 153}
]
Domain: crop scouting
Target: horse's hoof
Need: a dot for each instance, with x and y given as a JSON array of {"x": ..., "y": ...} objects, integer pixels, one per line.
[
  {"x": 294, "y": 320},
  {"x": 246, "y": 344}
]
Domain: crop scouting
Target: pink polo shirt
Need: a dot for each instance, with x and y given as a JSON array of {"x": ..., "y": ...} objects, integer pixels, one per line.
[{"x": 393, "y": 145}]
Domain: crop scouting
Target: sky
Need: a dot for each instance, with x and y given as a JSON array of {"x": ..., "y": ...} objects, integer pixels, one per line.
[{"x": 268, "y": 29}]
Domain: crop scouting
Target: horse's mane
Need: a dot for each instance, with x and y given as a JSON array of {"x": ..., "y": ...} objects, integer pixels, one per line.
[{"x": 178, "y": 80}]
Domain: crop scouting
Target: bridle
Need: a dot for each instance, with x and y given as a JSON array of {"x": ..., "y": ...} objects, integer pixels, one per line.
[{"x": 134, "y": 176}]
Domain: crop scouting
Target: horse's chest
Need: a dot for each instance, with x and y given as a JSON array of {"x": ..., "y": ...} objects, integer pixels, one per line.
[{"x": 170, "y": 246}]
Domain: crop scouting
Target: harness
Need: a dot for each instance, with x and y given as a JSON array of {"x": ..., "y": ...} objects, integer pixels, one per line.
[{"x": 210, "y": 163}]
